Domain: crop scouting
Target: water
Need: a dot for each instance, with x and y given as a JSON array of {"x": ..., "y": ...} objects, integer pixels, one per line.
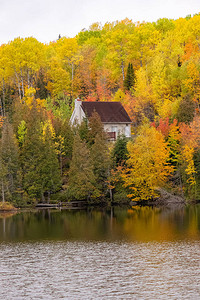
[{"x": 140, "y": 253}]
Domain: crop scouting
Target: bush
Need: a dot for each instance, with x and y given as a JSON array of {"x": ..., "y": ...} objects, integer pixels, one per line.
[{"x": 6, "y": 206}]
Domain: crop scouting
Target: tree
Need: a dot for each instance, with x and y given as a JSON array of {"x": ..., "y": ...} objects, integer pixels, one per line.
[
  {"x": 9, "y": 164},
  {"x": 64, "y": 137},
  {"x": 186, "y": 110},
  {"x": 129, "y": 80},
  {"x": 120, "y": 152},
  {"x": 49, "y": 168},
  {"x": 81, "y": 176},
  {"x": 147, "y": 166},
  {"x": 101, "y": 163},
  {"x": 95, "y": 127},
  {"x": 39, "y": 159}
]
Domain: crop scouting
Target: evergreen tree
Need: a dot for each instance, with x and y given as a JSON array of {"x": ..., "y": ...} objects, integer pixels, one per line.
[
  {"x": 129, "y": 80},
  {"x": 9, "y": 164},
  {"x": 101, "y": 163},
  {"x": 39, "y": 160},
  {"x": 31, "y": 159},
  {"x": 95, "y": 127},
  {"x": 81, "y": 176},
  {"x": 83, "y": 130},
  {"x": 49, "y": 169},
  {"x": 64, "y": 142},
  {"x": 120, "y": 152}
]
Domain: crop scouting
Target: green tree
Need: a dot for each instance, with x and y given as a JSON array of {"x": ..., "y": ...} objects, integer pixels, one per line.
[
  {"x": 39, "y": 161},
  {"x": 129, "y": 80},
  {"x": 81, "y": 176},
  {"x": 120, "y": 152},
  {"x": 95, "y": 127},
  {"x": 49, "y": 168},
  {"x": 9, "y": 164},
  {"x": 101, "y": 163}
]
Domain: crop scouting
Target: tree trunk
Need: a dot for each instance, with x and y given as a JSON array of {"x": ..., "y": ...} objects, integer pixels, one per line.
[
  {"x": 43, "y": 199},
  {"x": 22, "y": 80},
  {"x": 122, "y": 67},
  {"x": 72, "y": 79},
  {"x": 48, "y": 200},
  {"x": 28, "y": 79},
  {"x": 3, "y": 100},
  {"x": 18, "y": 84}
]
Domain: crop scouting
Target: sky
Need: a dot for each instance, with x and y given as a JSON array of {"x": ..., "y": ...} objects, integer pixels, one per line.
[{"x": 46, "y": 19}]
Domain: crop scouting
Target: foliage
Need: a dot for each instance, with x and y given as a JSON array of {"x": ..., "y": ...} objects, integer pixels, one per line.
[
  {"x": 151, "y": 68},
  {"x": 147, "y": 166},
  {"x": 129, "y": 80},
  {"x": 120, "y": 152},
  {"x": 81, "y": 177}
]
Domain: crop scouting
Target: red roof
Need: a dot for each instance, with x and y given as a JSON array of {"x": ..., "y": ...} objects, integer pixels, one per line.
[{"x": 109, "y": 112}]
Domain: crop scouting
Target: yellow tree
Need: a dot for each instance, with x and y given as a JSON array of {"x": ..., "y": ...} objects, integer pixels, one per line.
[
  {"x": 147, "y": 166},
  {"x": 6, "y": 74},
  {"x": 27, "y": 57},
  {"x": 67, "y": 50}
]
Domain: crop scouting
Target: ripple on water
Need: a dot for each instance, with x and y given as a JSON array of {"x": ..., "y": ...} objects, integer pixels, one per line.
[{"x": 100, "y": 270}]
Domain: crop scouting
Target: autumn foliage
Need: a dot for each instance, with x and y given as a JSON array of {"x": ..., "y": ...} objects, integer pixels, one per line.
[{"x": 153, "y": 69}]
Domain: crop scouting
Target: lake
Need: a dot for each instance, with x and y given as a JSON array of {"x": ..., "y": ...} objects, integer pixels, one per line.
[{"x": 115, "y": 253}]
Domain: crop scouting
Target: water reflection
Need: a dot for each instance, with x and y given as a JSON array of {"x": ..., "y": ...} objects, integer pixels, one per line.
[{"x": 136, "y": 224}]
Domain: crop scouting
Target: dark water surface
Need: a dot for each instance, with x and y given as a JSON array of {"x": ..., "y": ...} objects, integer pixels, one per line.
[{"x": 139, "y": 253}]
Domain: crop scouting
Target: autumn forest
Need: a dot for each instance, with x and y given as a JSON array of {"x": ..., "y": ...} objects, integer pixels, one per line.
[{"x": 153, "y": 69}]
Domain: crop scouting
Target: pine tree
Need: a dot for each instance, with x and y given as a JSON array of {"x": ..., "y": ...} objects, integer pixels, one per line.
[
  {"x": 95, "y": 127},
  {"x": 9, "y": 164},
  {"x": 120, "y": 152},
  {"x": 39, "y": 159},
  {"x": 101, "y": 163},
  {"x": 31, "y": 160},
  {"x": 129, "y": 80},
  {"x": 49, "y": 169},
  {"x": 81, "y": 176},
  {"x": 64, "y": 143}
]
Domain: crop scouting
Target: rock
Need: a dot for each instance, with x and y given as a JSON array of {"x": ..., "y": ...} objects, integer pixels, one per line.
[{"x": 169, "y": 199}]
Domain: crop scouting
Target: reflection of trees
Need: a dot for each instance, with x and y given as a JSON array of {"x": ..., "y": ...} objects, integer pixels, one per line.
[{"x": 136, "y": 224}]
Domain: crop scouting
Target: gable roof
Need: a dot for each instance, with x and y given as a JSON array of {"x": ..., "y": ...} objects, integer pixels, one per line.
[{"x": 109, "y": 112}]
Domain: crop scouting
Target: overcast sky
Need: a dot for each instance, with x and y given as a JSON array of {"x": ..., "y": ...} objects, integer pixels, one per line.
[{"x": 46, "y": 19}]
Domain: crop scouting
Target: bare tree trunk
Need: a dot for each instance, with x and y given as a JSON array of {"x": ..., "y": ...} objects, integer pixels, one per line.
[
  {"x": 48, "y": 197},
  {"x": 18, "y": 84},
  {"x": 122, "y": 67},
  {"x": 43, "y": 199},
  {"x": 22, "y": 81},
  {"x": 28, "y": 79},
  {"x": 111, "y": 195},
  {"x": 72, "y": 79},
  {"x": 3, "y": 101}
]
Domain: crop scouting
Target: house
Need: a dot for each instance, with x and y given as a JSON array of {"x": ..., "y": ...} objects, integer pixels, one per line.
[{"x": 113, "y": 116}]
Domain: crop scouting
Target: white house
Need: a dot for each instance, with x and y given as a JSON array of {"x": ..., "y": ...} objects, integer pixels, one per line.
[{"x": 113, "y": 116}]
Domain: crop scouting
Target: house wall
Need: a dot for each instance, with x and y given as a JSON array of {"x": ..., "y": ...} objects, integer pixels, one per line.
[
  {"x": 78, "y": 113},
  {"x": 119, "y": 128}
]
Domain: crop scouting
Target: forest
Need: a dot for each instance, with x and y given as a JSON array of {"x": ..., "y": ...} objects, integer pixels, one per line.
[{"x": 153, "y": 69}]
